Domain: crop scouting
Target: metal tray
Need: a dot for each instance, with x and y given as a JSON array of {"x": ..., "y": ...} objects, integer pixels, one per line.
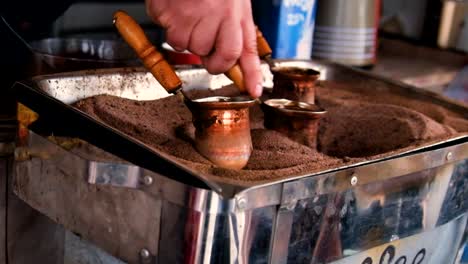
[
  {"x": 137, "y": 84},
  {"x": 284, "y": 221}
]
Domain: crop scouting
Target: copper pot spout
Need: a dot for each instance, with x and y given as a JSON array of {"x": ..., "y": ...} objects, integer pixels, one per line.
[{"x": 222, "y": 130}]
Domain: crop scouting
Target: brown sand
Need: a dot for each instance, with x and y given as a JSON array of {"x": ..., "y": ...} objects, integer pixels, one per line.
[
  {"x": 357, "y": 127},
  {"x": 359, "y": 130}
]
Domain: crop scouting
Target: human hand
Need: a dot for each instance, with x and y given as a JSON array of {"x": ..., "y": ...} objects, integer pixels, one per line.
[{"x": 221, "y": 32}]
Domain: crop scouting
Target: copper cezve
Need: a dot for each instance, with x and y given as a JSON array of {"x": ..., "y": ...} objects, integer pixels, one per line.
[
  {"x": 222, "y": 129},
  {"x": 298, "y": 120},
  {"x": 296, "y": 84}
]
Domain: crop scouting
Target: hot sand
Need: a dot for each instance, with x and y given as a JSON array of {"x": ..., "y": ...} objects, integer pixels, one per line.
[{"x": 356, "y": 127}]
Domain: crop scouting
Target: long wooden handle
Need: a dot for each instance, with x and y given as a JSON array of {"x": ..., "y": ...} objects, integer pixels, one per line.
[
  {"x": 134, "y": 35},
  {"x": 236, "y": 76},
  {"x": 263, "y": 48}
]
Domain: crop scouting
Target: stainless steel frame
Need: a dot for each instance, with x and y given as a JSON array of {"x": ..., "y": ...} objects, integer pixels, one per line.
[{"x": 393, "y": 208}]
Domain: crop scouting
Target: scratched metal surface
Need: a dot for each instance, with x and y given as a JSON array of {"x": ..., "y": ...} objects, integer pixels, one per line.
[
  {"x": 390, "y": 208},
  {"x": 80, "y": 251}
]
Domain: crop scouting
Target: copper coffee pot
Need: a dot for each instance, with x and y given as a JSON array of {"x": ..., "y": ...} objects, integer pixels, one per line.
[
  {"x": 222, "y": 129},
  {"x": 293, "y": 83},
  {"x": 222, "y": 124},
  {"x": 298, "y": 120},
  {"x": 295, "y": 113},
  {"x": 297, "y": 84}
]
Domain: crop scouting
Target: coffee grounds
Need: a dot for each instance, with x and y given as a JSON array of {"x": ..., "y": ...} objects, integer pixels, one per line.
[
  {"x": 359, "y": 130},
  {"x": 270, "y": 144},
  {"x": 153, "y": 122},
  {"x": 357, "y": 127}
]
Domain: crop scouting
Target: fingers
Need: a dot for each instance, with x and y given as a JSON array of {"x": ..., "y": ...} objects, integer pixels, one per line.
[
  {"x": 149, "y": 9},
  {"x": 179, "y": 31},
  {"x": 221, "y": 32},
  {"x": 179, "y": 20},
  {"x": 177, "y": 38},
  {"x": 249, "y": 60},
  {"x": 228, "y": 47},
  {"x": 250, "y": 65},
  {"x": 154, "y": 11},
  {"x": 203, "y": 37}
]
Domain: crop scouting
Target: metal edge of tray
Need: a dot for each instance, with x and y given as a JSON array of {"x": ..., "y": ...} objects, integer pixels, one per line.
[
  {"x": 457, "y": 144},
  {"x": 292, "y": 193},
  {"x": 358, "y": 174},
  {"x": 127, "y": 175},
  {"x": 123, "y": 85},
  {"x": 445, "y": 101},
  {"x": 131, "y": 82},
  {"x": 192, "y": 81},
  {"x": 73, "y": 120},
  {"x": 219, "y": 81},
  {"x": 107, "y": 172}
]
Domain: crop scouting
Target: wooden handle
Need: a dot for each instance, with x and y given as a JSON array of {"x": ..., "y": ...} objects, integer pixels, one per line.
[
  {"x": 263, "y": 48},
  {"x": 134, "y": 35},
  {"x": 235, "y": 74}
]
